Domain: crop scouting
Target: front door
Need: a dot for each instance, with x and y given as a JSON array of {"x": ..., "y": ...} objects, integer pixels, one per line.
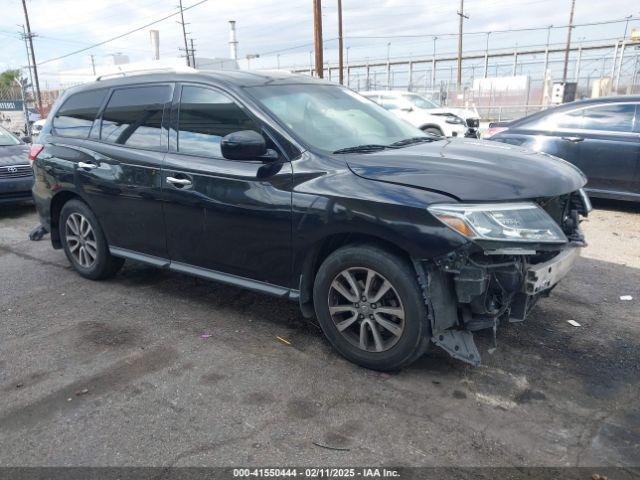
[
  {"x": 609, "y": 151},
  {"x": 230, "y": 216}
]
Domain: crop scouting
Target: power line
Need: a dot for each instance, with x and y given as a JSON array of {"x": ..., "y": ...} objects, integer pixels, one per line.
[
  {"x": 121, "y": 35},
  {"x": 523, "y": 29}
]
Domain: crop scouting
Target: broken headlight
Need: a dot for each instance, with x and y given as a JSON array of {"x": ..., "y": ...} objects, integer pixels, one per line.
[{"x": 506, "y": 222}]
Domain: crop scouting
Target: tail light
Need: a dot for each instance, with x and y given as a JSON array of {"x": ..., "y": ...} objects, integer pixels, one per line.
[
  {"x": 494, "y": 131},
  {"x": 35, "y": 150}
]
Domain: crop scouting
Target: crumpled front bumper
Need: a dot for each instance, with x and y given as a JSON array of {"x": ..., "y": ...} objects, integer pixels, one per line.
[{"x": 546, "y": 275}]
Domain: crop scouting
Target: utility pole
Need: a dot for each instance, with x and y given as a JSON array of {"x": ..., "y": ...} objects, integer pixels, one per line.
[
  {"x": 33, "y": 56},
  {"x": 93, "y": 64},
  {"x": 23, "y": 35},
  {"x": 546, "y": 53},
  {"x": 566, "y": 52},
  {"x": 340, "y": 44},
  {"x": 486, "y": 56},
  {"x": 462, "y": 17},
  {"x": 433, "y": 66},
  {"x": 193, "y": 54},
  {"x": 184, "y": 34},
  {"x": 317, "y": 37}
]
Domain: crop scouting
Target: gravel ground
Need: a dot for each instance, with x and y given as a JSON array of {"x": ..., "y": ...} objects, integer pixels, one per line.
[{"x": 116, "y": 372}]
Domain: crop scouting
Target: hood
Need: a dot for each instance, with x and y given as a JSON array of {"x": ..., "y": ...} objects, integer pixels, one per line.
[
  {"x": 14, "y": 155},
  {"x": 471, "y": 170},
  {"x": 460, "y": 112}
]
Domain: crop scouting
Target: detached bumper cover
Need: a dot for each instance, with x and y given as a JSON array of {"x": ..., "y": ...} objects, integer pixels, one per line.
[{"x": 543, "y": 276}]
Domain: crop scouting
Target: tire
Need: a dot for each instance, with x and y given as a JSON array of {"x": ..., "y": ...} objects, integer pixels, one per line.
[
  {"x": 433, "y": 131},
  {"x": 391, "y": 351},
  {"x": 96, "y": 263}
]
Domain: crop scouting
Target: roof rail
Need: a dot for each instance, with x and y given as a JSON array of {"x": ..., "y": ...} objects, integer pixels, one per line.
[{"x": 126, "y": 73}]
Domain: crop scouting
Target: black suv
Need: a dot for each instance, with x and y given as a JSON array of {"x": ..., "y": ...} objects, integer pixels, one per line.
[{"x": 302, "y": 189}]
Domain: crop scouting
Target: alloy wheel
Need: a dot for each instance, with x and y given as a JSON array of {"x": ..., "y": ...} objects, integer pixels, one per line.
[
  {"x": 81, "y": 240},
  {"x": 366, "y": 309}
]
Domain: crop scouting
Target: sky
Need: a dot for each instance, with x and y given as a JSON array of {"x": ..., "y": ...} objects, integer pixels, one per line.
[{"x": 282, "y": 32}]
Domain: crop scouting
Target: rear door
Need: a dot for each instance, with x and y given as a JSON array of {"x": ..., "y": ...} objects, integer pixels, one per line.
[
  {"x": 231, "y": 216},
  {"x": 122, "y": 179}
]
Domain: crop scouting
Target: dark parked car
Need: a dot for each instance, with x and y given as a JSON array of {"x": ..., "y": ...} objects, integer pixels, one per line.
[
  {"x": 16, "y": 174},
  {"x": 302, "y": 189},
  {"x": 600, "y": 136}
]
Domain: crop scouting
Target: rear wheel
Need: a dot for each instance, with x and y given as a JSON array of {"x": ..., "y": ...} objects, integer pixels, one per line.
[
  {"x": 370, "y": 307},
  {"x": 84, "y": 242}
]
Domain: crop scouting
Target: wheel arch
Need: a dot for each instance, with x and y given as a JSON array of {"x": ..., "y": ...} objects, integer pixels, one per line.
[
  {"x": 325, "y": 247},
  {"x": 432, "y": 125},
  {"x": 57, "y": 202}
]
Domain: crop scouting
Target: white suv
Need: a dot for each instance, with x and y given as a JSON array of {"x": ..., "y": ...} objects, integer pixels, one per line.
[{"x": 427, "y": 115}]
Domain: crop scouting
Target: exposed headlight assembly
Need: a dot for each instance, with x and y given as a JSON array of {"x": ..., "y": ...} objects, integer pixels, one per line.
[{"x": 505, "y": 222}]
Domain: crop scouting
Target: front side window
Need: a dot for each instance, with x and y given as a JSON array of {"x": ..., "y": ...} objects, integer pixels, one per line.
[
  {"x": 205, "y": 117},
  {"x": 76, "y": 115},
  {"x": 331, "y": 118},
  {"x": 133, "y": 116}
]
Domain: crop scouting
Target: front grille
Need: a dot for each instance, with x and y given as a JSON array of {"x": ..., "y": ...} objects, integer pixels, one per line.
[
  {"x": 473, "y": 122},
  {"x": 16, "y": 171}
]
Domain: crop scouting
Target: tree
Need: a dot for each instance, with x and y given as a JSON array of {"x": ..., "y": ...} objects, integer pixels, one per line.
[{"x": 8, "y": 77}]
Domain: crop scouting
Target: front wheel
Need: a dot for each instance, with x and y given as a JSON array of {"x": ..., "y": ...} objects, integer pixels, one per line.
[
  {"x": 370, "y": 307},
  {"x": 84, "y": 242},
  {"x": 433, "y": 131}
]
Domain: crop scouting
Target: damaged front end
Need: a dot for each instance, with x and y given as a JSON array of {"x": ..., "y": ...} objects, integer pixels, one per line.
[{"x": 517, "y": 255}]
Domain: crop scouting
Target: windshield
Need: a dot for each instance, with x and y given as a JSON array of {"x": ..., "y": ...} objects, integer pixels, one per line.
[
  {"x": 420, "y": 102},
  {"x": 331, "y": 118},
  {"x": 7, "y": 139}
]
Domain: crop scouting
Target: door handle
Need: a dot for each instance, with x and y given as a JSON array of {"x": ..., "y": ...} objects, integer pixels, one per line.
[
  {"x": 573, "y": 139},
  {"x": 179, "y": 182},
  {"x": 88, "y": 166}
]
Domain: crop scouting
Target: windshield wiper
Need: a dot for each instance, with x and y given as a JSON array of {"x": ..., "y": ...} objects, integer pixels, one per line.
[
  {"x": 362, "y": 149},
  {"x": 412, "y": 140}
]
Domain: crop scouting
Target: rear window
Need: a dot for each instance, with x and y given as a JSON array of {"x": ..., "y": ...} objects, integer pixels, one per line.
[
  {"x": 133, "y": 116},
  {"x": 77, "y": 113}
]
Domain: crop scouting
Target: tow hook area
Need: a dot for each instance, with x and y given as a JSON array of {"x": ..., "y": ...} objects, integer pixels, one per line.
[
  {"x": 459, "y": 344},
  {"x": 37, "y": 233},
  {"x": 438, "y": 294}
]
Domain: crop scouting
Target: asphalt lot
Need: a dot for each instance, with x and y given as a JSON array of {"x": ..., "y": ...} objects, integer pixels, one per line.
[{"x": 116, "y": 372}]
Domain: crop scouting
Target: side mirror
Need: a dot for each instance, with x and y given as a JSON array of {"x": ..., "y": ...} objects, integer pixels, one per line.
[
  {"x": 243, "y": 145},
  {"x": 26, "y": 139}
]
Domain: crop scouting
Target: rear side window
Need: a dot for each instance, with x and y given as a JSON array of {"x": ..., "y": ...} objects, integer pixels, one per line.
[
  {"x": 133, "y": 116},
  {"x": 77, "y": 113},
  {"x": 205, "y": 117},
  {"x": 610, "y": 118},
  {"x": 606, "y": 118}
]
